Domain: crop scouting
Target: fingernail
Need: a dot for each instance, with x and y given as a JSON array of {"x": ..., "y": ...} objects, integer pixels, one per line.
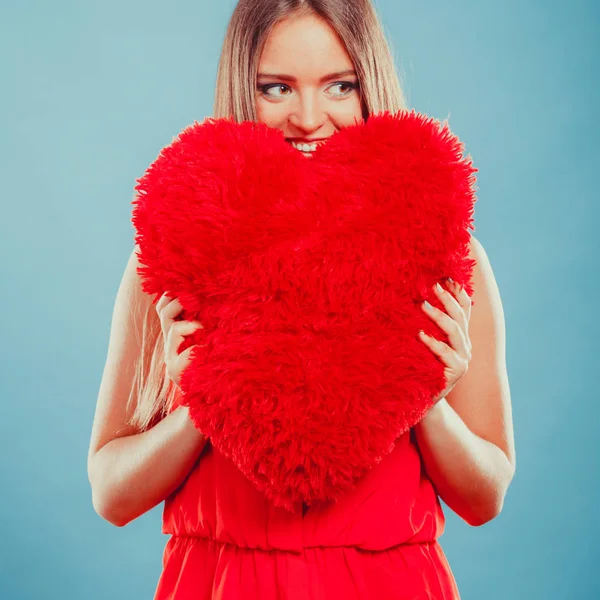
[
  {"x": 427, "y": 305},
  {"x": 438, "y": 287},
  {"x": 450, "y": 280}
]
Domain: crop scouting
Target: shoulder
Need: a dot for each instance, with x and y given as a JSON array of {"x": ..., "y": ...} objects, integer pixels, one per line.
[
  {"x": 486, "y": 320},
  {"x": 477, "y": 252},
  {"x": 486, "y": 294}
]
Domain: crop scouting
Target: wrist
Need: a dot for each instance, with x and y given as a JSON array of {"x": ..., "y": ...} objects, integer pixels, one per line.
[
  {"x": 435, "y": 413},
  {"x": 186, "y": 424}
]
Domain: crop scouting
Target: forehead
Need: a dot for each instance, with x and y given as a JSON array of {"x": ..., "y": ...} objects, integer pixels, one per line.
[{"x": 304, "y": 45}]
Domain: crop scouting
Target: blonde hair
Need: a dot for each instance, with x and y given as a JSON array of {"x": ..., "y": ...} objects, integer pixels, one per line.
[{"x": 360, "y": 30}]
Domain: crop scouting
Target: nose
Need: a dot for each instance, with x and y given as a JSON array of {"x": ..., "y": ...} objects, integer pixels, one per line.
[{"x": 308, "y": 115}]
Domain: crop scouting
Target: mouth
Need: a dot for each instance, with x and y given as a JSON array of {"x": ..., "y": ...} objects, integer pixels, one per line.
[{"x": 306, "y": 148}]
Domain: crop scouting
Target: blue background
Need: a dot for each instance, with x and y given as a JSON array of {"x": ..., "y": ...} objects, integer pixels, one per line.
[{"x": 92, "y": 91}]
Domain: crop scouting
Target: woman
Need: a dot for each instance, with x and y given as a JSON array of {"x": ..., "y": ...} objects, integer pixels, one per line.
[{"x": 309, "y": 68}]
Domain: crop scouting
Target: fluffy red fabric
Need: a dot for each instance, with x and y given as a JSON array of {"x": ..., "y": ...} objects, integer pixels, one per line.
[{"x": 307, "y": 274}]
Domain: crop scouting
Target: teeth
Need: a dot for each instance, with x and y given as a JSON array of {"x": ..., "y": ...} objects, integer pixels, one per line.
[{"x": 304, "y": 147}]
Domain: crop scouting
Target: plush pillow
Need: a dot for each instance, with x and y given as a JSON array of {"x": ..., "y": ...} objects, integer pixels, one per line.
[{"x": 307, "y": 273}]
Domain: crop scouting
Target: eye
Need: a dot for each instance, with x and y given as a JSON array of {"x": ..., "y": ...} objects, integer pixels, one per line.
[
  {"x": 348, "y": 84},
  {"x": 265, "y": 89}
]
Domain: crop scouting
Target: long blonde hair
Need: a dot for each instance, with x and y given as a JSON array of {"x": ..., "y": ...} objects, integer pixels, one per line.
[{"x": 360, "y": 30}]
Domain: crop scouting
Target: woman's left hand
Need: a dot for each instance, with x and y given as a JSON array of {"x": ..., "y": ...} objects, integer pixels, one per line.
[{"x": 455, "y": 322}]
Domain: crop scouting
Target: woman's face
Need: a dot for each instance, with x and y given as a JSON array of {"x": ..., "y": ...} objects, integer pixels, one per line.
[{"x": 306, "y": 83}]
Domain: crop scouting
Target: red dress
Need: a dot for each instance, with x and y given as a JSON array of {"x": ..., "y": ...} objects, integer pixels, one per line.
[{"x": 379, "y": 542}]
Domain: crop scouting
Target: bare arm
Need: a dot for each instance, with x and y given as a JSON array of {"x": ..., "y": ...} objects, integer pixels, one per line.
[
  {"x": 132, "y": 474},
  {"x": 470, "y": 473},
  {"x": 130, "y": 471},
  {"x": 467, "y": 439}
]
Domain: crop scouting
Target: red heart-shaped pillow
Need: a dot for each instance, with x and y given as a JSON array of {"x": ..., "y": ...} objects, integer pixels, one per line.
[{"x": 307, "y": 274}]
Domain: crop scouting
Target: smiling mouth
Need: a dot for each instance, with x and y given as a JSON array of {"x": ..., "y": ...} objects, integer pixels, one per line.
[{"x": 306, "y": 147}]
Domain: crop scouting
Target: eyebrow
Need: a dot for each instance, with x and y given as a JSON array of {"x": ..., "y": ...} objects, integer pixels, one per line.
[{"x": 293, "y": 79}]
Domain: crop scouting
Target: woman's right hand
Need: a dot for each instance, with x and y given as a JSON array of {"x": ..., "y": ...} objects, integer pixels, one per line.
[{"x": 173, "y": 334}]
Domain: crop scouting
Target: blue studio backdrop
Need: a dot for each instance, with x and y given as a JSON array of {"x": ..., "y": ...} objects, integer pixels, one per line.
[{"x": 91, "y": 91}]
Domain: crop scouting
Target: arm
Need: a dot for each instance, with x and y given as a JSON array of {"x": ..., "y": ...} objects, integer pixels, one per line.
[
  {"x": 132, "y": 474},
  {"x": 470, "y": 474},
  {"x": 466, "y": 440},
  {"x": 132, "y": 471}
]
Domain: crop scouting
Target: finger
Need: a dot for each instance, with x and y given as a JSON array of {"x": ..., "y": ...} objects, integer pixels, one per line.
[
  {"x": 180, "y": 329},
  {"x": 172, "y": 310},
  {"x": 449, "y": 357},
  {"x": 184, "y": 359},
  {"x": 163, "y": 301},
  {"x": 167, "y": 313},
  {"x": 447, "y": 324},
  {"x": 453, "y": 308},
  {"x": 461, "y": 296},
  {"x": 177, "y": 364},
  {"x": 177, "y": 333},
  {"x": 439, "y": 348}
]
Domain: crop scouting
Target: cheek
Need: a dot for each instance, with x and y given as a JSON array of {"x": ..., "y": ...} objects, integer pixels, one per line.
[
  {"x": 342, "y": 114},
  {"x": 348, "y": 112},
  {"x": 270, "y": 113}
]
